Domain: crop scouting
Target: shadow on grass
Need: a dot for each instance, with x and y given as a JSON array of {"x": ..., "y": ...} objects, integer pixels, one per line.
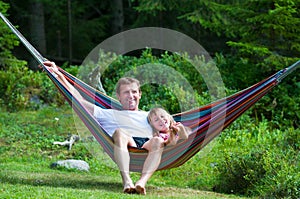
[{"x": 69, "y": 180}]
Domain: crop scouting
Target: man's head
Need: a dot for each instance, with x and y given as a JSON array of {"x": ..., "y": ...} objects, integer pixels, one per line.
[{"x": 129, "y": 93}]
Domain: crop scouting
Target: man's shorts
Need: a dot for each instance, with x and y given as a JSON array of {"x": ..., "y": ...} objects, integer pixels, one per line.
[{"x": 140, "y": 141}]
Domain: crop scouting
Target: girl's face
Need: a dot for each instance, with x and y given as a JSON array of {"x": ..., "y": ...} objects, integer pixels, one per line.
[{"x": 160, "y": 121}]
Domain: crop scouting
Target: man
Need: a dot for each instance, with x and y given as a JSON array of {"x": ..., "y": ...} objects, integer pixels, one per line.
[{"x": 128, "y": 128}]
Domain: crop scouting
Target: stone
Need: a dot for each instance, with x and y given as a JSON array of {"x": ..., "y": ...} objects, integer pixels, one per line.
[{"x": 72, "y": 164}]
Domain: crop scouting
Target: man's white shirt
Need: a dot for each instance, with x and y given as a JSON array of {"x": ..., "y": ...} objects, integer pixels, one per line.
[{"x": 134, "y": 122}]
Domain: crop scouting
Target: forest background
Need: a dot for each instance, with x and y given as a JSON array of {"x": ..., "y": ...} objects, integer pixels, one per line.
[{"x": 249, "y": 40}]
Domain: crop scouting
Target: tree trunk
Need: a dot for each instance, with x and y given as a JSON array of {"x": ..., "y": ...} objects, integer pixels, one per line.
[
  {"x": 118, "y": 16},
  {"x": 37, "y": 29}
]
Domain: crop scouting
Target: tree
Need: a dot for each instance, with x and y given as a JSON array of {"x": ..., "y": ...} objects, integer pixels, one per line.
[
  {"x": 117, "y": 16},
  {"x": 174, "y": 14},
  {"x": 37, "y": 28},
  {"x": 262, "y": 36},
  {"x": 265, "y": 33},
  {"x": 8, "y": 40},
  {"x": 89, "y": 20}
]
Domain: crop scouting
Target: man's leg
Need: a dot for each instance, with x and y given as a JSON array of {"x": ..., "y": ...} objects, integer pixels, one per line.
[
  {"x": 155, "y": 148},
  {"x": 122, "y": 158}
]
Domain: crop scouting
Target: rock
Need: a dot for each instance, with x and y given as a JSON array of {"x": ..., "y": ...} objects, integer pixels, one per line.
[{"x": 72, "y": 164}]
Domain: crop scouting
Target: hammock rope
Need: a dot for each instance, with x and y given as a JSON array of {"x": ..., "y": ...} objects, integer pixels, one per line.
[{"x": 206, "y": 122}]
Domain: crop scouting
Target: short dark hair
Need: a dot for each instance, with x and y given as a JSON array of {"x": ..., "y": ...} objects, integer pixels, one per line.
[{"x": 127, "y": 80}]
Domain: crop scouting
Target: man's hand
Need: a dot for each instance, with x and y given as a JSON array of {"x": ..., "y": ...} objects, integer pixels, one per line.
[{"x": 51, "y": 66}]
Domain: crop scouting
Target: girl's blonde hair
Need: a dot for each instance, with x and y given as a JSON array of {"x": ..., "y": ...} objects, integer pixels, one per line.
[{"x": 155, "y": 111}]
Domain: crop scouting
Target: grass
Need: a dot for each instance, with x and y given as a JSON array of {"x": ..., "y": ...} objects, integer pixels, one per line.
[
  {"x": 26, "y": 152},
  {"x": 33, "y": 180}
]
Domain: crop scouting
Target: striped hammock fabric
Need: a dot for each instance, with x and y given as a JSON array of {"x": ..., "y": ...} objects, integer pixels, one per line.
[{"x": 206, "y": 122}]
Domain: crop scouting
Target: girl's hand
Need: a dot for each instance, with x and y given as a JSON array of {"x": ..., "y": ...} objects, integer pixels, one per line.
[
  {"x": 179, "y": 130},
  {"x": 176, "y": 127}
]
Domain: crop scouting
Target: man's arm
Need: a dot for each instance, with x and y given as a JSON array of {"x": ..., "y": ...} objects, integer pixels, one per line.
[{"x": 61, "y": 78}]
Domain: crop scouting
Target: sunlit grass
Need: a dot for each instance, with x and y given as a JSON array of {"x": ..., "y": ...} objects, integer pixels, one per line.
[
  {"x": 26, "y": 153},
  {"x": 29, "y": 180}
]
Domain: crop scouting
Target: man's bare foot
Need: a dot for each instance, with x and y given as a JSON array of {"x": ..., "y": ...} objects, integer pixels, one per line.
[
  {"x": 129, "y": 188},
  {"x": 140, "y": 189}
]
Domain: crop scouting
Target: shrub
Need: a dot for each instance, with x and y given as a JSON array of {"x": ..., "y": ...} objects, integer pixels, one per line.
[
  {"x": 17, "y": 85},
  {"x": 239, "y": 170},
  {"x": 22, "y": 88},
  {"x": 282, "y": 174},
  {"x": 281, "y": 105},
  {"x": 260, "y": 161},
  {"x": 170, "y": 80}
]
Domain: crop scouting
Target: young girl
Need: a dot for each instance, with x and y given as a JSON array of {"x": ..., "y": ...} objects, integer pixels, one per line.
[{"x": 164, "y": 126}]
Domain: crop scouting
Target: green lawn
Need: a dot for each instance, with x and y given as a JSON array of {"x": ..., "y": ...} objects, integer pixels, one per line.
[
  {"x": 26, "y": 153},
  {"x": 27, "y": 179}
]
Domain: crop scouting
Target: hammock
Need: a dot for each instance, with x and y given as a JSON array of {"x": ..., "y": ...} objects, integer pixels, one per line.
[{"x": 206, "y": 122}]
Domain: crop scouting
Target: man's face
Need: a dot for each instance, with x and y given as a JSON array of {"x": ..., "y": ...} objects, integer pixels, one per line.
[{"x": 129, "y": 96}]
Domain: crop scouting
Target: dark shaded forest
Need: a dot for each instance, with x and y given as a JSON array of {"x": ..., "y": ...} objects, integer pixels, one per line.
[{"x": 249, "y": 40}]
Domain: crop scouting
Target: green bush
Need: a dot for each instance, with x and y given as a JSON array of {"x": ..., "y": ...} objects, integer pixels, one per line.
[
  {"x": 239, "y": 170},
  {"x": 282, "y": 174},
  {"x": 7, "y": 40},
  {"x": 170, "y": 80},
  {"x": 260, "y": 161},
  {"x": 281, "y": 105},
  {"x": 22, "y": 88},
  {"x": 18, "y": 84}
]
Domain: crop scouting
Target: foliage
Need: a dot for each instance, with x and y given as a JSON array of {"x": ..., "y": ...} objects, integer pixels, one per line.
[
  {"x": 89, "y": 25},
  {"x": 261, "y": 37},
  {"x": 256, "y": 163},
  {"x": 170, "y": 81},
  {"x": 22, "y": 88},
  {"x": 261, "y": 34},
  {"x": 281, "y": 105},
  {"x": 173, "y": 14},
  {"x": 267, "y": 24},
  {"x": 7, "y": 41},
  {"x": 14, "y": 92}
]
